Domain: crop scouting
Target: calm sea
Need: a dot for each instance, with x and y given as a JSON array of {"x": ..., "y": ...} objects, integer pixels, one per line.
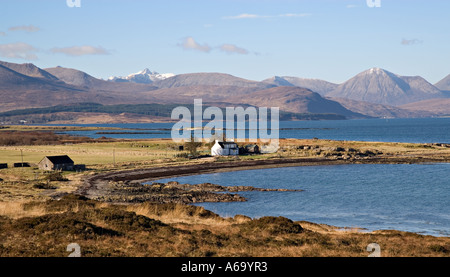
[
  {"x": 412, "y": 198},
  {"x": 408, "y": 197},
  {"x": 420, "y": 130}
]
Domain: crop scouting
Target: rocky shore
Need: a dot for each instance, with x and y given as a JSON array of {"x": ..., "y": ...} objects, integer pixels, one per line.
[
  {"x": 126, "y": 185},
  {"x": 174, "y": 192}
]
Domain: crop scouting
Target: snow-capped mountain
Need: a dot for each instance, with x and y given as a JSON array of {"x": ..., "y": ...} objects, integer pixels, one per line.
[
  {"x": 380, "y": 86},
  {"x": 145, "y": 76}
]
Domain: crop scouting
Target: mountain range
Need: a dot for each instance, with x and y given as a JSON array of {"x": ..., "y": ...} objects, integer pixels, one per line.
[
  {"x": 380, "y": 86},
  {"x": 375, "y": 85},
  {"x": 373, "y": 93}
]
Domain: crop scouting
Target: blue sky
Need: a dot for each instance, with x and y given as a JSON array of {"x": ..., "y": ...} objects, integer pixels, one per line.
[{"x": 324, "y": 39}]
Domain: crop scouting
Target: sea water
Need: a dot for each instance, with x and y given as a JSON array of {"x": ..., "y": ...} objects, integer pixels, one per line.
[
  {"x": 406, "y": 197},
  {"x": 413, "y": 130}
]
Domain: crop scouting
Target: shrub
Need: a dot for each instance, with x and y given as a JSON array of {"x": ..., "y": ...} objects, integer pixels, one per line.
[
  {"x": 274, "y": 225},
  {"x": 43, "y": 186},
  {"x": 55, "y": 176}
]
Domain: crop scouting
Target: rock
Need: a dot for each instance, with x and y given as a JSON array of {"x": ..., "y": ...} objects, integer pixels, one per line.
[{"x": 174, "y": 192}]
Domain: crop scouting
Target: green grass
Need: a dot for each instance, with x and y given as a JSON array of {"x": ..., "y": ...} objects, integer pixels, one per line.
[{"x": 88, "y": 153}]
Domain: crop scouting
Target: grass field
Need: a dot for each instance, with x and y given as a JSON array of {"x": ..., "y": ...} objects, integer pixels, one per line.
[
  {"x": 27, "y": 213},
  {"x": 102, "y": 153},
  {"x": 91, "y": 153},
  {"x": 43, "y": 229}
]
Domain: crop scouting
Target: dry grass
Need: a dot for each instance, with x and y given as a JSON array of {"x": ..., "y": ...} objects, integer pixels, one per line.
[
  {"x": 177, "y": 213},
  {"x": 45, "y": 228},
  {"x": 103, "y": 230},
  {"x": 16, "y": 210}
]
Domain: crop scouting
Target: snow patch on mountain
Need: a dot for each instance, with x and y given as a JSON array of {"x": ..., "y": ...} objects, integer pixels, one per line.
[{"x": 145, "y": 76}]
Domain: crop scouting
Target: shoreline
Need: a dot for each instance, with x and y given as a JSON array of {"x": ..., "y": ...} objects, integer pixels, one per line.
[{"x": 97, "y": 184}]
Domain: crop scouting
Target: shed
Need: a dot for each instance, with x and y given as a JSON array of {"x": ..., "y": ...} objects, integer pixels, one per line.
[
  {"x": 252, "y": 148},
  {"x": 56, "y": 163},
  {"x": 21, "y": 164},
  {"x": 224, "y": 149}
]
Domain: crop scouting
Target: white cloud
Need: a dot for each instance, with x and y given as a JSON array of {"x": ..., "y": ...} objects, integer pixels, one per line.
[
  {"x": 233, "y": 49},
  {"x": 294, "y": 15},
  {"x": 351, "y": 6},
  {"x": 255, "y": 16},
  {"x": 19, "y": 50},
  {"x": 244, "y": 16},
  {"x": 190, "y": 43},
  {"x": 80, "y": 50},
  {"x": 411, "y": 41},
  {"x": 29, "y": 28}
]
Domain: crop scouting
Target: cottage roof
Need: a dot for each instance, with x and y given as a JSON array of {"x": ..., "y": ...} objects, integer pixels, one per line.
[
  {"x": 60, "y": 159},
  {"x": 222, "y": 144}
]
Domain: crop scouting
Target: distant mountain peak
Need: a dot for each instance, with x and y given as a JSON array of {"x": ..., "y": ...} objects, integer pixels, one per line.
[
  {"x": 146, "y": 71},
  {"x": 145, "y": 76},
  {"x": 30, "y": 70},
  {"x": 320, "y": 86},
  {"x": 377, "y": 71},
  {"x": 444, "y": 84},
  {"x": 380, "y": 86}
]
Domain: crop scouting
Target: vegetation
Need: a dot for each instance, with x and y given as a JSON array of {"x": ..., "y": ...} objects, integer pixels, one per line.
[
  {"x": 175, "y": 230},
  {"x": 33, "y": 224},
  {"x": 12, "y": 138},
  {"x": 192, "y": 146},
  {"x": 54, "y": 113}
]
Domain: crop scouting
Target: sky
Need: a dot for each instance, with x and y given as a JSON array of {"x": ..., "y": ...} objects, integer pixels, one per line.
[{"x": 331, "y": 40}]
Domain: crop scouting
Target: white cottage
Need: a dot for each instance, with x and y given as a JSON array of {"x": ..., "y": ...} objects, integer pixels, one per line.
[{"x": 224, "y": 149}]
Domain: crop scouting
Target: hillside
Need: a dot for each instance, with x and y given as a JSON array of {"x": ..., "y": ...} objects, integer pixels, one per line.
[
  {"x": 21, "y": 91},
  {"x": 438, "y": 106},
  {"x": 30, "y": 70},
  {"x": 380, "y": 86},
  {"x": 82, "y": 79},
  {"x": 444, "y": 84},
  {"x": 320, "y": 86},
  {"x": 298, "y": 100},
  {"x": 380, "y": 111},
  {"x": 209, "y": 79}
]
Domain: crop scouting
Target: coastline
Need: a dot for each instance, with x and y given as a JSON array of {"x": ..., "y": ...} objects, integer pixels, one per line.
[
  {"x": 166, "y": 221},
  {"x": 96, "y": 185}
]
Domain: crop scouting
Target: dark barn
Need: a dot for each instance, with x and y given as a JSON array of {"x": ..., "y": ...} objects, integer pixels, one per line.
[{"x": 57, "y": 163}]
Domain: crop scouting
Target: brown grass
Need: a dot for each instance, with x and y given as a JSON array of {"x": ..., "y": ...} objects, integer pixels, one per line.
[
  {"x": 169, "y": 230},
  {"x": 32, "y": 225}
]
